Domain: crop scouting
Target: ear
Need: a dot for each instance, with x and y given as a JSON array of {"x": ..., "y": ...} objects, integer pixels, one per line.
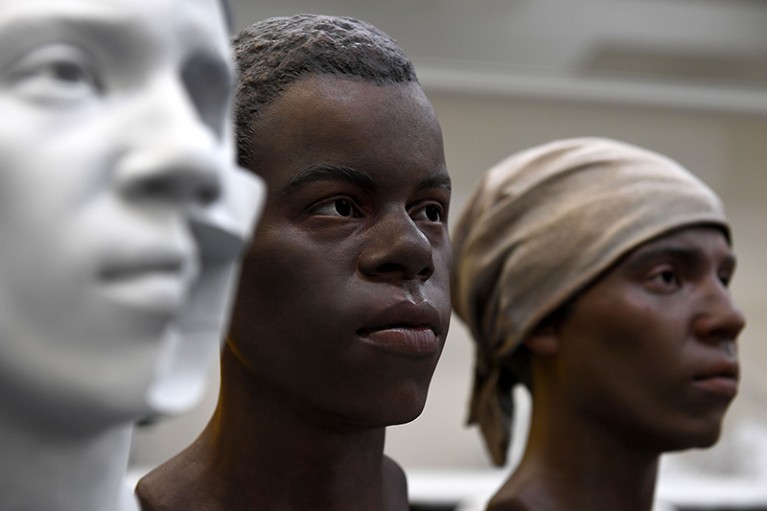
[{"x": 543, "y": 341}]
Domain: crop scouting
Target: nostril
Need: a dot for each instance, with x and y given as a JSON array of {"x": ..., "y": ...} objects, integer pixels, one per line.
[
  {"x": 208, "y": 194},
  {"x": 404, "y": 271},
  {"x": 386, "y": 268},
  {"x": 149, "y": 187}
]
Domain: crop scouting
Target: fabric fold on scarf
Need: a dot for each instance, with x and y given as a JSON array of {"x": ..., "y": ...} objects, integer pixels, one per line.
[{"x": 540, "y": 226}]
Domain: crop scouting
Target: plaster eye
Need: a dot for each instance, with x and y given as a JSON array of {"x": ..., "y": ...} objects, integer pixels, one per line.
[
  {"x": 57, "y": 73},
  {"x": 208, "y": 81}
]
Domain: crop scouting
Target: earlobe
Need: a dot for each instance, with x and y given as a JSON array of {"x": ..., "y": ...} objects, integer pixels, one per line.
[{"x": 543, "y": 341}]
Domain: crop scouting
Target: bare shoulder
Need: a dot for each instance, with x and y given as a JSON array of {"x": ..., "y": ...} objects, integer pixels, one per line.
[{"x": 394, "y": 486}]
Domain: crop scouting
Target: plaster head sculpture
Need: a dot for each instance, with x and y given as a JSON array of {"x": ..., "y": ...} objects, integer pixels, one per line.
[
  {"x": 123, "y": 216},
  {"x": 343, "y": 305},
  {"x": 596, "y": 273}
]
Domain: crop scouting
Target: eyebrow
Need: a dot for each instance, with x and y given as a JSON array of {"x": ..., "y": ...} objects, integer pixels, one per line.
[
  {"x": 437, "y": 180},
  {"x": 328, "y": 172},
  {"x": 101, "y": 21},
  {"x": 104, "y": 28},
  {"x": 689, "y": 256}
]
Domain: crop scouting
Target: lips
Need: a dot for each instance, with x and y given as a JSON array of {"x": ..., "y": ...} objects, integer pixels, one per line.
[
  {"x": 719, "y": 378},
  {"x": 156, "y": 281},
  {"x": 406, "y": 328}
]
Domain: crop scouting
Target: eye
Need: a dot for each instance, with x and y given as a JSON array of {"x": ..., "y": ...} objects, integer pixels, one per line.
[
  {"x": 431, "y": 212},
  {"x": 339, "y": 207},
  {"x": 664, "y": 278},
  {"x": 209, "y": 83},
  {"x": 725, "y": 276},
  {"x": 56, "y": 73}
]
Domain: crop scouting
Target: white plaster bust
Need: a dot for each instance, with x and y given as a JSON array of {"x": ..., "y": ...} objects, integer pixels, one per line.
[{"x": 122, "y": 216}]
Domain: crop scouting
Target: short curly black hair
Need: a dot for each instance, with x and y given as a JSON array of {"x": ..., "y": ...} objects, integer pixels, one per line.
[{"x": 273, "y": 53}]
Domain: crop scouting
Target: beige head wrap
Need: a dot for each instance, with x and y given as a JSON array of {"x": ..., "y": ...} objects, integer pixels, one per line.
[{"x": 540, "y": 226}]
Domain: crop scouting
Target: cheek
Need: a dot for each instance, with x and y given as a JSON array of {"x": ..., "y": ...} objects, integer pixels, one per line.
[
  {"x": 283, "y": 280},
  {"x": 616, "y": 344}
]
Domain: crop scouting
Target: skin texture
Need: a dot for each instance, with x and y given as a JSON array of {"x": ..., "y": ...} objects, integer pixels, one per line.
[
  {"x": 122, "y": 223},
  {"x": 645, "y": 363},
  {"x": 342, "y": 310}
]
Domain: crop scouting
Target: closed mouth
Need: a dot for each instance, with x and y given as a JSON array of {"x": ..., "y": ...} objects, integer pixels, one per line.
[
  {"x": 156, "y": 284},
  {"x": 128, "y": 271},
  {"x": 722, "y": 369},
  {"x": 406, "y": 328},
  {"x": 413, "y": 340},
  {"x": 721, "y": 378}
]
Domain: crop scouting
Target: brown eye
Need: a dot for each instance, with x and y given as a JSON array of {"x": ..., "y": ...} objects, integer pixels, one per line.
[
  {"x": 338, "y": 207},
  {"x": 343, "y": 207},
  {"x": 667, "y": 277},
  {"x": 433, "y": 213},
  {"x": 664, "y": 279},
  {"x": 429, "y": 213}
]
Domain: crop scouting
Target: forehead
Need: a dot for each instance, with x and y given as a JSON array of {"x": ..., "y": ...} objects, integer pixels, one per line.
[
  {"x": 177, "y": 23},
  {"x": 357, "y": 124},
  {"x": 707, "y": 239}
]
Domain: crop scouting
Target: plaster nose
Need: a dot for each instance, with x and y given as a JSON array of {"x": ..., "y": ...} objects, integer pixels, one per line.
[{"x": 173, "y": 155}]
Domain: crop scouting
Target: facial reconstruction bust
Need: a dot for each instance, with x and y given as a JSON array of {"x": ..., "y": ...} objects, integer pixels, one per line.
[
  {"x": 343, "y": 304},
  {"x": 122, "y": 215},
  {"x": 596, "y": 273}
]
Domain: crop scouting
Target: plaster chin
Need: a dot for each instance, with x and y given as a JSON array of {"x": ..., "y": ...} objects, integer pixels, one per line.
[{"x": 175, "y": 394}]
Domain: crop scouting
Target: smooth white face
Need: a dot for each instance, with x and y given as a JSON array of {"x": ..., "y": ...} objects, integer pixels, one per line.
[{"x": 121, "y": 211}]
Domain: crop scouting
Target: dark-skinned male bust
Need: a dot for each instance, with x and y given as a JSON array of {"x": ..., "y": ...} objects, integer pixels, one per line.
[
  {"x": 343, "y": 305},
  {"x": 596, "y": 273}
]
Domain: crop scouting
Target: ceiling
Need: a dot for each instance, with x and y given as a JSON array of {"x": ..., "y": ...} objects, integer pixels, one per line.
[{"x": 709, "y": 54}]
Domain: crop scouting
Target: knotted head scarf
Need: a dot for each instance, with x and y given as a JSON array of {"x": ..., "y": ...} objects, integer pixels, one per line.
[{"x": 539, "y": 227}]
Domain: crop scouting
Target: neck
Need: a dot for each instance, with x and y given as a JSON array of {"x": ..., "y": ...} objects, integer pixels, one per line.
[
  {"x": 275, "y": 455},
  {"x": 571, "y": 463},
  {"x": 45, "y": 469}
]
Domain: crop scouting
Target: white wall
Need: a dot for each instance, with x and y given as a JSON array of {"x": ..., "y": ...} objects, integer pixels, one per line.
[{"x": 728, "y": 151}]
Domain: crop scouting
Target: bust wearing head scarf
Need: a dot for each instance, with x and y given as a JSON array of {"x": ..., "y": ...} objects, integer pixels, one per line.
[{"x": 545, "y": 228}]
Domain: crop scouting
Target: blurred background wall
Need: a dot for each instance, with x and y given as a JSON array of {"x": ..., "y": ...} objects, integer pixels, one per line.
[{"x": 687, "y": 78}]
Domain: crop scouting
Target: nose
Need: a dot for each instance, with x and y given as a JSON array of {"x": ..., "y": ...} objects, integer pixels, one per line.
[
  {"x": 720, "y": 318},
  {"x": 171, "y": 154},
  {"x": 397, "y": 251}
]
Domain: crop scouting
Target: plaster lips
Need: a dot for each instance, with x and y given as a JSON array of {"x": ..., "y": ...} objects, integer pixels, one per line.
[{"x": 156, "y": 281}]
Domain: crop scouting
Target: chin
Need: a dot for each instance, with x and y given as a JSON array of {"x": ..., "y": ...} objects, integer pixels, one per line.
[
  {"x": 398, "y": 408},
  {"x": 174, "y": 394},
  {"x": 700, "y": 437},
  {"x": 705, "y": 439}
]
